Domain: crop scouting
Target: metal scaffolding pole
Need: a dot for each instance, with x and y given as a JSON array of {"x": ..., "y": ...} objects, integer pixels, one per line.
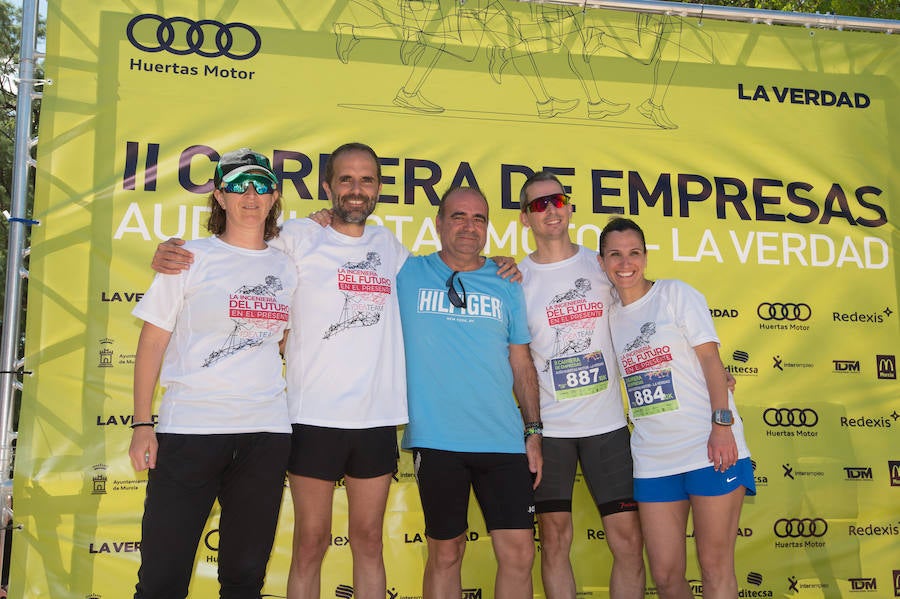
[
  {"x": 728, "y": 13},
  {"x": 10, "y": 364}
]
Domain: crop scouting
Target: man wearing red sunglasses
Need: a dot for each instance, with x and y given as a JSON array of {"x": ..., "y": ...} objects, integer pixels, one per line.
[{"x": 567, "y": 298}]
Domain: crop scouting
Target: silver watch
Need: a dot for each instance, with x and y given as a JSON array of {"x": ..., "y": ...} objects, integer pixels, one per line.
[{"x": 723, "y": 417}]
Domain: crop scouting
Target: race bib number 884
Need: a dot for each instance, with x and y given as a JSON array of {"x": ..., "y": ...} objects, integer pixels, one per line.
[{"x": 651, "y": 393}]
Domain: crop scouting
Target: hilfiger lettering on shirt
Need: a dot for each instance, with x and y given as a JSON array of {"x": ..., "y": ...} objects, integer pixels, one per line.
[{"x": 435, "y": 301}]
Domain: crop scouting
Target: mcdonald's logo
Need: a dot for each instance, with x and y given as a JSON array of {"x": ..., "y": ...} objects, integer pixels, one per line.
[
  {"x": 886, "y": 366},
  {"x": 894, "y": 472}
]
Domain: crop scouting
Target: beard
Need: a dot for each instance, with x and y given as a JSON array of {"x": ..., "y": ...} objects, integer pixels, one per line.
[{"x": 354, "y": 215}]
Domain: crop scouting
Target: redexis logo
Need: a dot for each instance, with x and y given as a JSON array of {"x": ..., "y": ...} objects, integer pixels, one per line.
[{"x": 182, "y": 36}]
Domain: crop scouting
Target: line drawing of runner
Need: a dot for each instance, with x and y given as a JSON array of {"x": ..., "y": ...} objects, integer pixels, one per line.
[
  {"x": 582, "y": 286},
  {"x": 270, "y": 287},
  {"x": 246, "y": 332},
  {"x": 648, "y": 329},
  {"x": 571, "y": 338},
  {"x": 430, "y": 29},
  {"x": 372, "y": 261},
  {"x": 426, "y": 27},
  {"x": 655, "y": 41},
  {"x": 361, "y": 308},
  {"x": 352, "y": 316},
  {"x": 563, "y": 29}
]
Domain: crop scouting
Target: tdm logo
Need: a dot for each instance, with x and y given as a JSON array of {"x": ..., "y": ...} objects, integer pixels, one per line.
[
  {"x": 858, "y": 473},
  {"x": 206, "y": 38},
  {"x": 846, "y": 366},
  {"x": 863, "y": 584}
]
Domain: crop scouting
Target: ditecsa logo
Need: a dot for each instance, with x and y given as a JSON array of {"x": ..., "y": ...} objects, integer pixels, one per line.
[{"x": 741, "y": 365}]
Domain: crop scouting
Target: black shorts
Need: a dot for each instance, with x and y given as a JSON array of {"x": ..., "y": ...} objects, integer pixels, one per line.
[
  {"x": 605, "y": 463},
  {"x": 330, "y": 453},
  {"x": 501, "y": 481}
]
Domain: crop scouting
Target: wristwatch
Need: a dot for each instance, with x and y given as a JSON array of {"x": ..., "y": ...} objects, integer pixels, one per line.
[{"x": 723, "y": 417}]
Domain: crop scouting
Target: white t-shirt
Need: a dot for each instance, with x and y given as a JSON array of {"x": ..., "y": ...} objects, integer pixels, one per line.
[
  {"x": 227, "y": 313},
  {"x": 345, "y": 362},
  {"x": 669, "y": 403},
  {"x": 568, "y": 311}
]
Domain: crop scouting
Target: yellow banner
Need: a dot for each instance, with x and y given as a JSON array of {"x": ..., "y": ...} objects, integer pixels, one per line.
[{"x": 761, "y": 161}]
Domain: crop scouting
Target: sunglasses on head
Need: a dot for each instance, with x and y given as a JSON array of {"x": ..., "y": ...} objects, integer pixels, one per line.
[
  {"x": 242, "y": 183},
  {"x": 452, "y": 295},
  {"x": 540, "y": 204}
]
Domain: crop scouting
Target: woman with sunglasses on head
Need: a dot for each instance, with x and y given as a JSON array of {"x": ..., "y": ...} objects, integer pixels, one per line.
[
  {"x": 211, "y": 336},
  {"x": 688, "y": 443}
]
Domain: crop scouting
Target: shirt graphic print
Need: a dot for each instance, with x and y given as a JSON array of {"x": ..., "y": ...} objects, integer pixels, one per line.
[
  {"x": 365, "y": 293},
  {"x": 256, "y": 315},
  {"x": 571, "y": 316}
]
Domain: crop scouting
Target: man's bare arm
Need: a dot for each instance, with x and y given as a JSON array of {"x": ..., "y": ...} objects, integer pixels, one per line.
[
  {"x": 170, "y": 258},
  {"x": 525, "y": 386}
]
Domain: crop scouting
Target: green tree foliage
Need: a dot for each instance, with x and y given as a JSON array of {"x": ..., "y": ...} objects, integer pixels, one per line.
[{"x": 875, "y": 9}]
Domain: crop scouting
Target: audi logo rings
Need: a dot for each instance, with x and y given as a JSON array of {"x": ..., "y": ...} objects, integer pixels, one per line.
[
  {"x": 795, "y": 528},
  {"x": 779, "y": 311},
  {"x": 791, "y": 417},
  {"x": 194, "y": 37}
]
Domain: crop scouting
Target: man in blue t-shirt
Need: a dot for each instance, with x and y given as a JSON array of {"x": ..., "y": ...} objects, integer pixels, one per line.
[{"x": 466, "y": 336}]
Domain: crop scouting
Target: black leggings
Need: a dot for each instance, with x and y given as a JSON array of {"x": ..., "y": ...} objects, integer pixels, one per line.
[{"x": 245, "y": 472}]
